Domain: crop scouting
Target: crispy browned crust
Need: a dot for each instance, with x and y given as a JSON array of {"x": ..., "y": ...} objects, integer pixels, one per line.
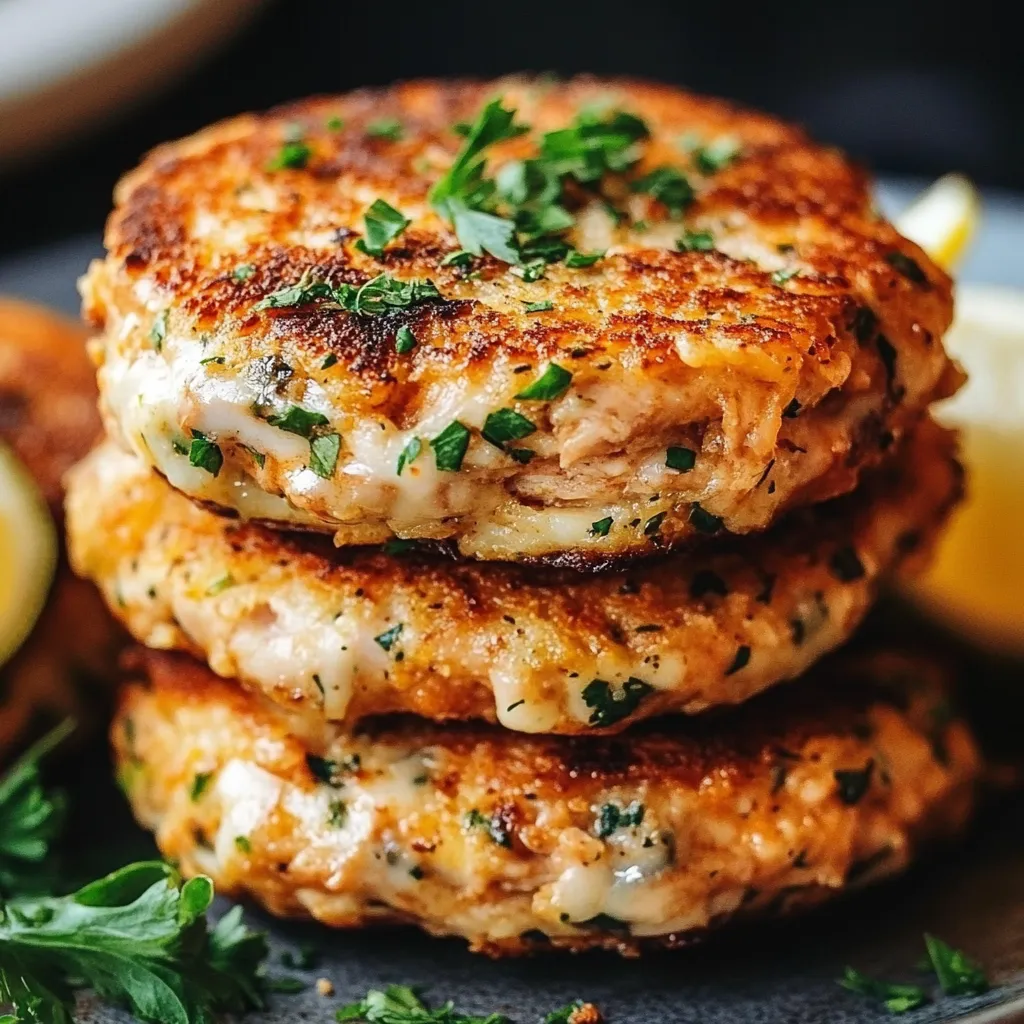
[
  {"x": 500, "y": 642},
  {"x": 747, "y": 802},
  {"x": 48, "y": 410},
  {"x": 624, "y": 319},
  {"x": 48, "y": 417}
]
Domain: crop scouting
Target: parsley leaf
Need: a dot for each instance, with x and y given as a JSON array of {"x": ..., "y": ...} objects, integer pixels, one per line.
[
  {"x": 383, "y": 224},
  {"x": 717, "y": 155},
  {"x": 611, "y": 704},
  {"x": 409, "y": 454},
  {"x": 506, "y": 425},
  {"x": 405, "y": 340},
  {"x": 594, "y": 144},
  {"x": 296, "y": 420},
  {"x": 703, "y": 520},
  {"x": 450, "y": 447},
  {"x": 294, "y": 154},
  {"x": 896, "y": 998},
  {"x": 323, "y": 454},
  {"x": 378, "y": 295},
  {"x": 780, "y": 277},
  {"x": 682, "y": 460},
  {"x": 30, "y": 818},
  {"x": 574, "y": 258},
  {"x": 612, "y": 817},
  {"x": 601, "y": 527},
  {"x": 544, "y": 306},
  {"x": 668, "y": 185},
  {"x": 204, "y": 454},
  {"x": 389, "y": 637},
  {"x": 493, "y": 826},
  {"x": 958, "y": 975},
  {"x": 552, "y": 383},
  {"x": 389, "y": 128},
  {"x": 158, "y": 332},
  {"x": 138, "y": 937},
  {"x": 696, "y": 241}
]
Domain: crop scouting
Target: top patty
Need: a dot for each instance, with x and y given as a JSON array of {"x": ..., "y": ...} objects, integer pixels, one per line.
[{"x": 712, "y": 387}]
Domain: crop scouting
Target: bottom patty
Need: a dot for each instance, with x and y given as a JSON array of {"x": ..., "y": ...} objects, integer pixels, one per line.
[{"x": 522, "y": 842}]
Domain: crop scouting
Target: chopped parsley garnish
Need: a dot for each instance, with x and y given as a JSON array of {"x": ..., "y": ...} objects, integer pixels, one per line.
[
  {"x": 337, "y": 814},
  {"x": 204, "y": 454},
  {"x": 681, "y": 459},
  {"x": 450, "y": 447},
  {"x": 740, "y": 660},
  {"x": 704, "y": 521},
  {"x": 389, "y": 128},
  {"x": 543, "y": 306},
  {"x": 958, "y": 975},
  {"x": 895, "y": 998},
  {"x": 551, "y": 384},
  {"x": 908, "y": 267},
  {"x": 594, "y": 144},
  {"x": 242, "y": 844},
  {"x": 243, "y": 271},
  {"x": 323, "y": 454},
  {"x": 696, "y": 241},
  {"x": 258, "y": 457},
  {"x": 220, "y": 584},
  {"x": 601, "y": 527},
  {"x": 389, "y": 637},
  {"x": 140, "y": 938},
  {"x": 493, "y": 826},
  {"x": 380, "y": 294},
  {"x": 398, "y": 1004},
  {"x": 200, "y": 783},
  {"x": 294, "y": 154},
  {"x": 575, "y": 259},
  {"x": 506, "y": 425},
  {"x": 296, "y": 420},
  {"x": 217, "y": 360},
  {"x": 780, "y": 277},
  {"x": 329, "y": 360},
  {"x": 846, "y": 565},
  {"x": 612, "y": 817},
  {"x": 158, "y": 332},
  {"x": 717, "y": 155},
  {"x": 852, "y": 784},
  {"x": 409, "y": 454},
  {"x": 399, "y": 546},
  {"x": 331, "y": 773},
  {"x": 383, "y": 224},
  {"x": 460, "y": 258},
  {"x": 669, "y": 186},
  {"x": 609, "y": 703},
  {"x": 334, "y": 123},
  {"x": 405, "y": 340},
  {"x": 521, "y": 455}
]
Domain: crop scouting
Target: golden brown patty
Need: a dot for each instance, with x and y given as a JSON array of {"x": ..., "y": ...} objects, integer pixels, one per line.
[
  {"x": 700, "y": 389},
  {"x": 48, "y": 418},
  {"x": 340, "y": 635},
  {"x": 519, "y": 842}
]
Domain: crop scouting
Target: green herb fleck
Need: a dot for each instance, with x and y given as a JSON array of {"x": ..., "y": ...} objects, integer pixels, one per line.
[
  {"x": 243, "y": 271},
  {"x": 296, "y": 420},
  {"x": 551, "y": 384},
  {"x": 200, "y": 782},
  {"x": 219, "y": 360},
  {"x": 389, "y": 128},
  {"x": 204, "y": 454},
  {"x": 450, "y": 447},
  {"x": 405, "y": 340},
  {"x": 388, "y": 638},
  {"x": 158, "y": 332},
  {"x": 612, "y": 817},
  {"x": 337, "y": 814},
  {"x": 323, "y": 454},
  {"x": 331, "y": 773},
  {"x": 334, "y": 123},
  {"x": 575, "y": 259},
  {"x": 895, "y": 998},
  {"x": 493, "y": 826},
  {"x": 506, "y": 425},
  {"x": 704, "y": 521},
  {"x": 221, "y": 584},
  {"x": 543, "y": 306},
  {"x": 682, "y": 460},
  {"x": 329, "y": 360},
  {"x": 717, "y": 155},
  {"x": 409, "y": 454},
  {"x": 601, "y": 527},
  {"x": 285, "y": 986},
  {"x": 242, "y": 843},
  {"x": 958, "y": 975},
  {"x": 696, "y": 241},
  {"x": 668, "y": 185},
  {"x": 780, "y": 277},
  {"x": 294, "y": 154},
  {"x": 383, "y": 224},
  {"x": 610, "y": 704}
]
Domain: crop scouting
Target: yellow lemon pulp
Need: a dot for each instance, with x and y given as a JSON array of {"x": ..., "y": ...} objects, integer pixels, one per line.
[
  {"x": 977, "y": 581},
  {"x": 28, "y": 553},
  {"x": 942, "y": 220}
]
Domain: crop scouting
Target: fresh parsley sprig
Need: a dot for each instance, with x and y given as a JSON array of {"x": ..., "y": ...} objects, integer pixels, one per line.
[
  {"x": 138, "y": 937},
  {"x": 30, "y": 819}
]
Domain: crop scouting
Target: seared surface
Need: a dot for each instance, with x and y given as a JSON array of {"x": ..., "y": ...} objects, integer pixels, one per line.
[
  {"x": 48, "y": 418},
  {"x": 338, "y": 635},
  {"x": 785, "y": 358},
  {"x": 517, "y": 843}
]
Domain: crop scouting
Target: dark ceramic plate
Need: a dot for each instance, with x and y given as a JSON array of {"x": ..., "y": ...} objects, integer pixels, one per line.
[{"x": 971, "y": 894}]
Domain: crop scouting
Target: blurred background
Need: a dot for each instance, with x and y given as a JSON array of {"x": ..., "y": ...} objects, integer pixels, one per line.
[{"x": 86, "y": 86}]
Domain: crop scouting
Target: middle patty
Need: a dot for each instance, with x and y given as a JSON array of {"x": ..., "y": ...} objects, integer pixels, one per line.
[{"x": 345, "y": 634}]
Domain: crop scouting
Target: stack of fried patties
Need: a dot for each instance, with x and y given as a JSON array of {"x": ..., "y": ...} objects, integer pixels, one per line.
[{"x": 478, "y": 485}]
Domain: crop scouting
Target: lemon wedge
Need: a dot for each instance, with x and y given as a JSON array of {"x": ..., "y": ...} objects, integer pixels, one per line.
[
  {"x": 976, "y": 583},
  {"x": 28, "y": 553},
  {"x": 943, "y": 219}
]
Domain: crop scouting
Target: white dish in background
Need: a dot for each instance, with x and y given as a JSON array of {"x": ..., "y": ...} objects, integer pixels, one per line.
[{"x": 65, "y": 64}]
